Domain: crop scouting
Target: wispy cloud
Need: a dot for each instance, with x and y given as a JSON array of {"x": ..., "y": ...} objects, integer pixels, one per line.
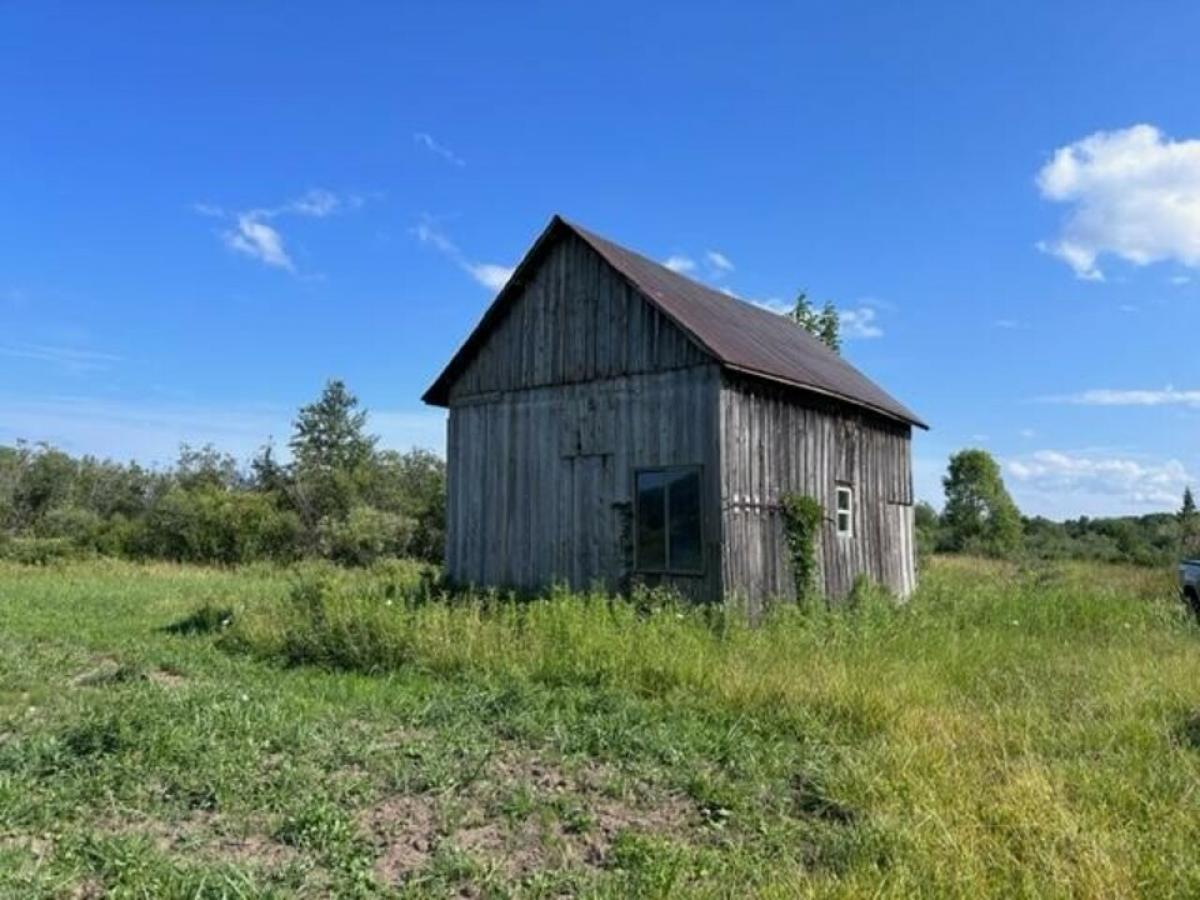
[
  {"x": 679, "y": 263},
  {"x": 718, "y": 261},
  {"x": 257, "y": 239},
  {"x": 426, "y": 140},
  {"x": 1168, "y": 396},
  {"x": 857, "y": 323},
  {"x": 1096, "y": 484},
  {"x": 492, "y": 276},
  {"x": 771, "y": 304},
  {"x": 70, "y": 359},
  {"x": 253, "y": 234},
  {"x": 860, "y": 323},
  {"x": 1009, "y": 324},
  {"x": 1133, "y": 193},
  {"x": 1180, "y": 280}
]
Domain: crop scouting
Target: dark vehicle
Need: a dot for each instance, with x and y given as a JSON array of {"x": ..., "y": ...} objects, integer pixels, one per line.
[{"x": 1189, "y": 584}]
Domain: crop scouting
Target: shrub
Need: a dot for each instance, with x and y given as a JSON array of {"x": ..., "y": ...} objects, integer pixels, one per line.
[
  {"x": 802, "y": 517},
  {"x": 365, "y": 536}
]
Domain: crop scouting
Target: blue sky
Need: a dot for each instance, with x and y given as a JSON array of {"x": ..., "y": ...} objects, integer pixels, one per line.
[{"x": 210, "y": 209}]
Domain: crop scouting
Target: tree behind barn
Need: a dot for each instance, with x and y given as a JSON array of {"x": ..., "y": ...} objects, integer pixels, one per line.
[
  {"x": 979, "y": 516},
  {"x": 824, "y": 324}
]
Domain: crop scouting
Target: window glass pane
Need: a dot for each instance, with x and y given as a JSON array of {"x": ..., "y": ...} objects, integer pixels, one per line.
[
  {"x": 684, "y": 510},
  {"x": 651, "y": 537},
  {"x": 843, "y": 499}
]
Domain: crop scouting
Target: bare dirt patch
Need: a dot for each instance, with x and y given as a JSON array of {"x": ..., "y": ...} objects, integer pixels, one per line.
[
  {"x": 574, "y": 819},
  {"x": 37, "y": 847},
  {"x": 105, "y": 670},
  {"x": 404, "y": 829},
  {"x": 204, "y": 835}
]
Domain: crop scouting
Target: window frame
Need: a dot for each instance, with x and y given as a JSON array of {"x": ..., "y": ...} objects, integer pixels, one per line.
[
  {"x": 843, "y": 489},
  {"x": 667, "y": 568}
]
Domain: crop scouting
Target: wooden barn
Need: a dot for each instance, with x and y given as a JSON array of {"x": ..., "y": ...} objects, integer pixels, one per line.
[{"x": 611, "y": 421}]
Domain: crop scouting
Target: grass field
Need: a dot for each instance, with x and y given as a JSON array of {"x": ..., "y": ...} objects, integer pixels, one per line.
[{"x": 171, "y": 731}]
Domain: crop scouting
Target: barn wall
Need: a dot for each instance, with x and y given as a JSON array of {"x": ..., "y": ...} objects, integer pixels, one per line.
[
  {"x": 776, "y": 441},
  {"x": 540, "y": 479},
  {"x": 575, "y": 321}
]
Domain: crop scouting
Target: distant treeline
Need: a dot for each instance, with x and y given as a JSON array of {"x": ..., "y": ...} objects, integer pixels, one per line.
[
  {"x": 981, "y": 518},
  {"x": 338, "y": 497}
]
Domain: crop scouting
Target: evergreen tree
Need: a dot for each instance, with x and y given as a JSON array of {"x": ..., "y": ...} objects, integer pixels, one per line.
[
  {"x": 330, "y": 434},
  {"x": 1189, "y": 524},
  {"x": 331, "y": 456}
]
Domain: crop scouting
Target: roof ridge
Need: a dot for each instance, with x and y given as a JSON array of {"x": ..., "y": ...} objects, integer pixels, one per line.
[
  {"x": 737, "y": 334},
  {"x": 744, "y": 360}
]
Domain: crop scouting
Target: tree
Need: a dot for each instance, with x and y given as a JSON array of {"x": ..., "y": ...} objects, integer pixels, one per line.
[
  {"x": 331, "y": 433},
  {"x": 979, "y": 514},
  {"x": 267, "y": 474},
  {"x": 331, "y": 453},
  {"x": 824, "y": 324},
  {"x": 1189, "y": 523}
]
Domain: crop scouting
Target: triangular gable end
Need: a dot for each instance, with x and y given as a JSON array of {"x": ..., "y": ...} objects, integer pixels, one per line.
[{"x": 532, "y": 334}]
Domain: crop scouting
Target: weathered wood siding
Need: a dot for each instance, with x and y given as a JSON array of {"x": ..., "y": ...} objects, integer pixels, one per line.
[
  {"x": 775, "y": 441},
  {"x": 575, "y": 321},
  {"x": 581, "y": 383},
  {"x": 541, "y": 479}
]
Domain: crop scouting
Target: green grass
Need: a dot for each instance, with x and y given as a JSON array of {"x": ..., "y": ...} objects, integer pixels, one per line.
[{"x": 174, "y": 731}]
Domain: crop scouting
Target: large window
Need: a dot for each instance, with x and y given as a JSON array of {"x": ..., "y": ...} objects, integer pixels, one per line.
[{"x": 667, "y": 520}]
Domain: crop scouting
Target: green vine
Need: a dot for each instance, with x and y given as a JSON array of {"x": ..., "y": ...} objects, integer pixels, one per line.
[{"x": 802, "y": 518}]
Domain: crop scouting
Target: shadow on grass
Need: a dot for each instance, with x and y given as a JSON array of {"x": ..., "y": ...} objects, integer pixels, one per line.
[
  {"x": 1187, "y": 733},
  {"x": 207, "y": 619}
]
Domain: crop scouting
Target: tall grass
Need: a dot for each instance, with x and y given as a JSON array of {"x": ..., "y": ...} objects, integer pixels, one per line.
[{"x": 1014, "y": 730}]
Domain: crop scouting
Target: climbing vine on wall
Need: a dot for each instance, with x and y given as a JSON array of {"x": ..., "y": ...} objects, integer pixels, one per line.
[{"x": 802, "y": 517}]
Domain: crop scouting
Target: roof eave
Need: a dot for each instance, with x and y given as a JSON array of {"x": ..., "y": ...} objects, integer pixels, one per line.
[{"x": 906, "y": 419}]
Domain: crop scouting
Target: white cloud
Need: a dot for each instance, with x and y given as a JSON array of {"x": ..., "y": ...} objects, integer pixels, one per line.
[
  {"x": 71, "y": 359},
  {"x": 777, "y": 305},
  {"x": 718, "y": 261},
  {"x": 258, "y": 240},
  {"x": 1179, "y": 280},
  {"x": 1008, "y": 324},
  {"x": 1133, "y": 193},
  {"x": 424, "y": 139},
  {"x": 679, "y": 263},
  {"x": 251, "y": 235},
  {"x": 1090, "y": 484},
  {"x": 492, "y": 276},
  {"x": 317, "y": 203},
  {"x": 859, "y": 323},
  {"x": 1168, "y": 396},
  {"x": 1027, "y": 433}
]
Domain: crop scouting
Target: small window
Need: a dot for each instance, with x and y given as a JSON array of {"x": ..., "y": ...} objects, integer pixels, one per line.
[
  {"x": 845, "y": 510},
  {"x": 667, "y": 520}
]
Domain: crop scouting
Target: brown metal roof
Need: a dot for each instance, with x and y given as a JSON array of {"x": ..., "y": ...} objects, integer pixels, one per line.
[{"x": 738, "y": 335}]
